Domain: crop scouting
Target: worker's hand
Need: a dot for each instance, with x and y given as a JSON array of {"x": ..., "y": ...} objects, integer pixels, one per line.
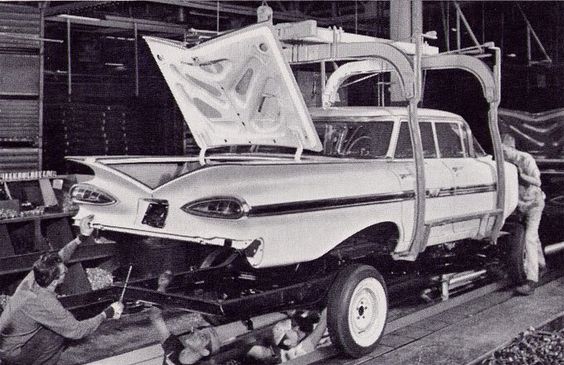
[
  {"x": 85, "y": 225},
  {"x": 164, "y": 280},
  {"x": 114, "y": 310}
]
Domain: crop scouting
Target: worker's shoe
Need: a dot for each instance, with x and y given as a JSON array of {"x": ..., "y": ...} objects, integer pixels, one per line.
[{"x": 526, "y": 289}]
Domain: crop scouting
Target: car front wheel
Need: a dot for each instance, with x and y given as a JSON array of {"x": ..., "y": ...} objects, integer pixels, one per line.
[{"x": 357, "y": 309}]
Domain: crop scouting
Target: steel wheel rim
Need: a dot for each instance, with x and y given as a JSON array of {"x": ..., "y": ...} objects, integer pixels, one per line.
[{"x": 367, "y": 312}]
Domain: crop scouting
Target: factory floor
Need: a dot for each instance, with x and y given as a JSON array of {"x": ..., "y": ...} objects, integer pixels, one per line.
[
  {"x": 463, "y": 334},
  {"x": 458, "y": 335}
]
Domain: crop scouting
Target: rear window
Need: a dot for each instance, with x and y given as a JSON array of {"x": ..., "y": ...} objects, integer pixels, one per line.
[{"x": 355, "y": 139}]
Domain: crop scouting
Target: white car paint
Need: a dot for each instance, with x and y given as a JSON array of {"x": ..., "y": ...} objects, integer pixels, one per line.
[{"x": 296, "y": 209}]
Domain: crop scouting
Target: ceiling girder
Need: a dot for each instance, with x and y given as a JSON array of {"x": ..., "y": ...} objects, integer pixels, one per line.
[{"x": 72, "y": 7}]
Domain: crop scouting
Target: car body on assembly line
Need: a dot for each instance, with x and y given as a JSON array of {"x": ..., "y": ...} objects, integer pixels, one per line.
[
  {"x": 270, "y": 204},
  {"x": 286, "y": 185}
]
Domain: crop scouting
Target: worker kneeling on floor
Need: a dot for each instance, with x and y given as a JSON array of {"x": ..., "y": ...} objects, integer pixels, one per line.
[{"x": 34, "y": 324}]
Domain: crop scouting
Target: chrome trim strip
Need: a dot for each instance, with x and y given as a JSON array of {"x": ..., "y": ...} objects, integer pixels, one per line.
[
  {"x": 325, "y": 204},
  {"x": 464, "y": 217},
  {"x": 475, "y": 189},
  {"x": 338, "y": 203}
]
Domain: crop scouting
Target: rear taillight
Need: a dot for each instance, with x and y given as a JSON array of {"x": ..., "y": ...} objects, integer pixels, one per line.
[
  {"x": 220, "y": 207},
  {"x": 88, "y": 194}
]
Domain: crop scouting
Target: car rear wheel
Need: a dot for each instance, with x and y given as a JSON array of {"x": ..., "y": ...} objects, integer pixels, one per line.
[
  {"x": 357, "y": 309},
  {"x": 517, "y": 253}
]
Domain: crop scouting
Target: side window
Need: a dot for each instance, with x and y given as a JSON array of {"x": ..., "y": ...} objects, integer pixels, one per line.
[
  {"x": 403, "y": 146},
  {"x": 426, "y": 130},
  {"x": 450, "y": 144}
]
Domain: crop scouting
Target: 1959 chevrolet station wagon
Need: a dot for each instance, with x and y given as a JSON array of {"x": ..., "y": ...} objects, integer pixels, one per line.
[{"x": 285, "y": 185}]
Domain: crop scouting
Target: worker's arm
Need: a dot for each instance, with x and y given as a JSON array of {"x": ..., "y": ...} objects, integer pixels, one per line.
[
  {"x": 85, "y": 231},
  {"x": 530, "y": 172},
  {"x": 49, "y": 312},
  {"x": 530, "y": 180},
  {"x": 309, "y": 343}
]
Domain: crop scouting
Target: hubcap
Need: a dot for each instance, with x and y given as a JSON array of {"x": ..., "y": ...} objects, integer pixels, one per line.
[{"x": 367, "y": 312}]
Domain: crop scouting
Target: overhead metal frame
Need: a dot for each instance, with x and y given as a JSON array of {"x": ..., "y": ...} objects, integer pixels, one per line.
[{"x": 409, "y": 70}]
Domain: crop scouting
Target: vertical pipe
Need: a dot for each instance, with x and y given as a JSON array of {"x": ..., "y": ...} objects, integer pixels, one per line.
[
  {"x": 444, "y": 18},
  {"x": 41, "y": 83},
  {"x": 135, "y": 35},
  {"x": 497, "y": 147},
  {"x": 217, "y": 16},
  {"x": 458, "y": 30},
  {"x": 529, "y": 57},
  {"x": 402, "y": 16},
  {"x": 69, "y": 66},
  {"x": 467, "y": 25},
  {"x": 483, "y": 23},
  {"x": 448, "y": 25},
  {"x": 416, "y": 17},
  {"x": 418, "y": 237},
  {"x": 356, "y": 16},
  {"x": 323, "y": 77},
  {"x": 502, "y": 31}
]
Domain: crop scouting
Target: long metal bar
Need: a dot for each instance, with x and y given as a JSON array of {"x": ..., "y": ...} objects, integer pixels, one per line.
[
  {"x": 125, "y": 284},
  {"x": 135, "y": 36},
  {"x": 458, "y": 31},
  {"x": 531, "y": 31},
  {"x": 323, "y": 71},
  {"x": 84, "y": 300},
  {"x": 554, "y": 248},
  {"x": 497, "y": 146},
  {"x": 120, "y": 24},
  {"x": 529, "y": 56},
  {"x": 69, "y": 66},
  {"x": 41, "y": 83},
  {"x": 468, "y": 276},
  {"x": 467, "y": 25},
  {"x": 419, "y": 238},
  {"x": 298, "y": 294},
  {"x": 72, "y": 7},
  {"x": 22, "y": 263},
  {"x": 30, "y": 37},
  {"x": 200, "y": 305}
]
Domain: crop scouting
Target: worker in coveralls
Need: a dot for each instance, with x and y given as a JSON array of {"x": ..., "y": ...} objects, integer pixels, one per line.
[
  {"x": 292, "y": 337},
  {"x": 34, "y": 324},
  {"x": 531, "y": 204}
]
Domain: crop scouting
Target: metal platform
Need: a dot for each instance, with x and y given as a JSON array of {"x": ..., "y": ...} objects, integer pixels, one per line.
[{"x": 423, "y": 329}]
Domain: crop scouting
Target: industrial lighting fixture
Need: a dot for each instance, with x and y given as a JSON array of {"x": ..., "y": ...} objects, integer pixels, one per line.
[{"x": 77, "y": 17}]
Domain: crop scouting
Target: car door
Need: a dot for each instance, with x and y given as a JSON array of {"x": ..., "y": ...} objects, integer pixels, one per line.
[
  {"x": 438, "y": 181},
  {"x": 474, "y": 178}
]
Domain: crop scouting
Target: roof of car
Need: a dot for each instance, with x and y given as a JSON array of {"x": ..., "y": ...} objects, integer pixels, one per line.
[{"x": 374, "y": 111}]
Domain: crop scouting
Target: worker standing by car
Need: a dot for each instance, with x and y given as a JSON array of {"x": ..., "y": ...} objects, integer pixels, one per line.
[
  {"x": 531, "y": 205},
  {"x": 34, "y": 324}
]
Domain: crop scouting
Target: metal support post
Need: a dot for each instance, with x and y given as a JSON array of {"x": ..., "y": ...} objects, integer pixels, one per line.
[
  {"x": 69, "y": 66},
  {"x": 135, "y": 36}
]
